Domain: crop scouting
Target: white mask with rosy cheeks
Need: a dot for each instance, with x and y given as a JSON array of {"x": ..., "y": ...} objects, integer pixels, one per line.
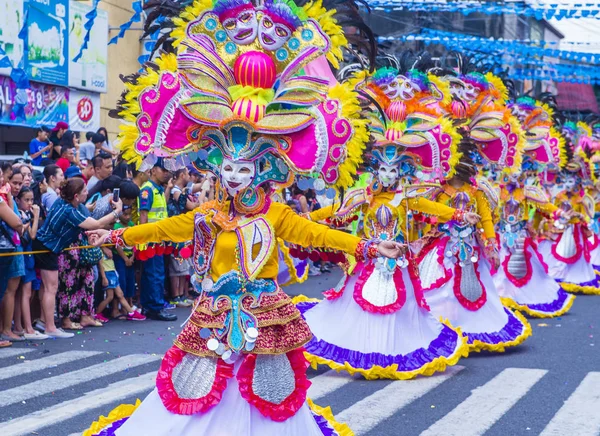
[
  {"x": 387, "y": 174},
  {"x": 236, "y": 176},
  {"x": 272, "y": 35},
  {"x": 407, "y": 90},
  {"x": 570, "y": 183},
  {"x": 392, "y": 89},
  {"x": 470, "y": 92},
  {"x": 242, "y": 29}
]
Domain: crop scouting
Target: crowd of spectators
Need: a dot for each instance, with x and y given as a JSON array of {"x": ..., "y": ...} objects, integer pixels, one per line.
[{"x": 51, "y": 281}]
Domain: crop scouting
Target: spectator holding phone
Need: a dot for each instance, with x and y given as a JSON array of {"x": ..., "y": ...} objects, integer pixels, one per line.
[{"x": 65, "y": 223}]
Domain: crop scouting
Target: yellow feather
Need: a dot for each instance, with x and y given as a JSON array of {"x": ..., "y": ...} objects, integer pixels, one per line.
[{"x": 356, "y": 145}]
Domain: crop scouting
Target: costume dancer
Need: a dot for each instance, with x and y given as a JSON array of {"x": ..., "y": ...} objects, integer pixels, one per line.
[
  {"x": 454, "y": 266},
  {"x": 566, "y": 249},
  {"x": 523, "y": 281},
  {"x": 375, "y": 322},
  {"x": 238, "y": 368}
]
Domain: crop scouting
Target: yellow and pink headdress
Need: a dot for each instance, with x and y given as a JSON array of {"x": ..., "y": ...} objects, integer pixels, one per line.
[{"x": 235, "y": 88}]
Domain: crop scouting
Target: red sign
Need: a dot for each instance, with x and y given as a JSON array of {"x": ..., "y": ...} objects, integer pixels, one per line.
[{"x": 85, "y": 109}]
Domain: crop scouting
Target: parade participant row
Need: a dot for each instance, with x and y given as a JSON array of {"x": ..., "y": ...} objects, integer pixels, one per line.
[{"x": 247, "y": 92}]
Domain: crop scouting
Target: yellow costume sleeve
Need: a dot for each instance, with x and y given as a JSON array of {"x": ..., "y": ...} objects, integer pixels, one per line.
[
  {"x": 179, "y": 228},
  {"x": 297, "y": 230},
  {"x": 484, "y": 210},
  {"x": 443, "y": 212},
  {"x": 546, "y": 208},
  {"x": 324, "y": 213}
]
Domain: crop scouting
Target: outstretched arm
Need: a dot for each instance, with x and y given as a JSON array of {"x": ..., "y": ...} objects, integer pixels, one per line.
[
  {"x": 297, "y": 230},
  {"x": 179, "y": 228}
]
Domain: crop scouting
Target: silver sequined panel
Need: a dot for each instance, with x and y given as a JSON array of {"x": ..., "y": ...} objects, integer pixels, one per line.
[
  {"x": 566, "y": 246},
  {"x": 430, "y": 270},
  {"x": 194, "y": 376},
  {"x": 380, "y": 289},
  {"x": 517, "y": 265},
  {"x": 274, "y": 378},
  {"x": 469, "y": 285}
]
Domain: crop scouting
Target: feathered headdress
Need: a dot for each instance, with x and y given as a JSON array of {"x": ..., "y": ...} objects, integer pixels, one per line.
[{"x": 236, "y": 89}]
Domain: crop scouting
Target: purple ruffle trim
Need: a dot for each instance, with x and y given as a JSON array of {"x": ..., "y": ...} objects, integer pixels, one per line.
[
  {"x": 111, "y": 429},
  {"x": 511, "y": 331},
  {"x": 324, "y": 426},
  {"x": 553, "y": 307},
  {"x": 593, "y": 283},
  {"x": 444, "y": 345}
]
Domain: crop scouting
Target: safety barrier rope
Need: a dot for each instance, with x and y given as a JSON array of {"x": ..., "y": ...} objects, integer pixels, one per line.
[{"x": 22, "y": 253}]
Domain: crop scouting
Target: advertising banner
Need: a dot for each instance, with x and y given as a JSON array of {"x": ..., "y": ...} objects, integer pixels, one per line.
[
  {"x": 84, "y": 111},
  {"x": 89, "y": 72},
  {"x": 39, "y": 105},
  {"x": 47, "y": 50},
  {"x": 11, "y": 22}
]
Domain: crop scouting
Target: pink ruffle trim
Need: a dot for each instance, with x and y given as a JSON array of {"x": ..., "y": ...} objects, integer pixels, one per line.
[
  {"x": 369, "y": 307},
  {"x": 184, "y": 406},
  {"x": 288, "y": 407},
  {"x": 440, "y": 246},
  {"x": 580, "y": 248},
  {"x": 332, "y": 294}
]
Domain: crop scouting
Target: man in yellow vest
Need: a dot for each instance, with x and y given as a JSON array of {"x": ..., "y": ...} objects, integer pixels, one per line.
[{"x": 152, "y": 207}]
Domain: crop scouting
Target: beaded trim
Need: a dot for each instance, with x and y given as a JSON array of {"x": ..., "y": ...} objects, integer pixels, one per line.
[
  {"x": 366, "y": 249},
  {"x": 116, "y": 237}
]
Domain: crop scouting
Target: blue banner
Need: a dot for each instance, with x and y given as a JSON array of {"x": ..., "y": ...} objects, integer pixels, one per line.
[{"x": 47, "y": 51}]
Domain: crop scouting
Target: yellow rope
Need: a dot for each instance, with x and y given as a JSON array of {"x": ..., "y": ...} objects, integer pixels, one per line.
[{"x": 21, "y": 253}]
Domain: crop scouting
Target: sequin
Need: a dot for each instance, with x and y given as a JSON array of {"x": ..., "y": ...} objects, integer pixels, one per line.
[
  {"x": 211, "y": 24},
  {"x": 281, "y": 54},
  {"x": 273, "y": 379},
  {"x": 194, "y": 376},
  {"x": 212, "y": 344},
  {"x": 205, "y": 333}
]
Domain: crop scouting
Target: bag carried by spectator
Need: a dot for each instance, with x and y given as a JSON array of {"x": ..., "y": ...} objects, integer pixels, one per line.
[
  {"x": 88, "y": 256},
  {"x": 7, "y": 246}
]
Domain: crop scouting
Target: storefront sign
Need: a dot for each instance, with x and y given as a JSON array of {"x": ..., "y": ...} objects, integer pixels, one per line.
[
  {"x": 89, "y": 72},
  {"x": 38, "y": 105},
  {"x": 11, "y": 22},
  {"x": 47, "y": 51},
  {"x": 84, "y": 111}
]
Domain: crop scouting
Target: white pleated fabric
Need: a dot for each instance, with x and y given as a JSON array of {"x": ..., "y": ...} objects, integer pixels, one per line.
[
  {"x": 490, "y": 318},
  {"x": 541, "y": 288}
]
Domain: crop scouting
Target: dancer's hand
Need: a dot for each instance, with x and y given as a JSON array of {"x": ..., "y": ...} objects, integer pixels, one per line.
[
  {"x": 472, "y": 218},
  {"x": 97, "y": 237},
  {"x": 495, "y": 260},
  {"x": 391, "y": 249}
]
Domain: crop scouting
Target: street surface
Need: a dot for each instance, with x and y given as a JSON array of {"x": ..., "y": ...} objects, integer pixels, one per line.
[{"x": 550, "y": 385}]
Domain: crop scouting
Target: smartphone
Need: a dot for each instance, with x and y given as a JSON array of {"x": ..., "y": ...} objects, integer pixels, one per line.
[{"x": 116, "y": 193}]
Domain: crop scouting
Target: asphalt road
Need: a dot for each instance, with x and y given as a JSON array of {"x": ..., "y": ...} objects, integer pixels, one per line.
[{"x": 58, "y": 387}]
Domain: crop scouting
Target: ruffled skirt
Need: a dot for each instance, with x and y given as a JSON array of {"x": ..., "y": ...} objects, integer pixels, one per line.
[
  {"x": 375, "y": 325},
  {"x": 237, "y": 368},
  {"x": 467, "y": 297},
  {"x": 569, "y": 262},
  {"x": 523, "y": 283},
  {"x": 232, "y": 416}
]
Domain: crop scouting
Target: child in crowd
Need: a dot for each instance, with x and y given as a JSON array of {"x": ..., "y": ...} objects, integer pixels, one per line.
[
  {"x": 30, "y": 216},
  {"x": 124, "y": 259},
  {"x": 110, "y": 285}
]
